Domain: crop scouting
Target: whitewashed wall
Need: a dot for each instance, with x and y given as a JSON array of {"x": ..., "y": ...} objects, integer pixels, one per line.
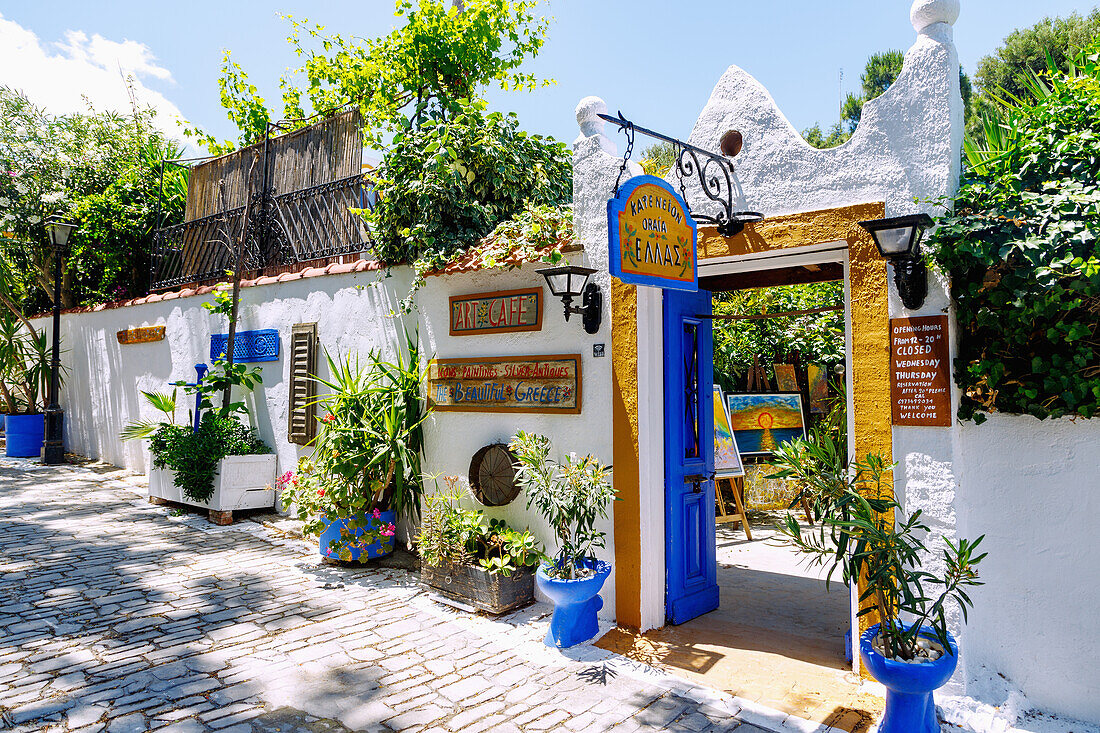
[
  {"x": 1031, "y": 487},
  {"x": 353, "y": 312}
]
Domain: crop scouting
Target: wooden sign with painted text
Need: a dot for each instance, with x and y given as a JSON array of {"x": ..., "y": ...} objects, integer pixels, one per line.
[
  {"x": 142, "y": 335},
  {"x": 549, "y": 384},
  {"x": 920, "y": 371},
  {"x": 652, "y": 237},
  {"x": 502, "y": 312}
]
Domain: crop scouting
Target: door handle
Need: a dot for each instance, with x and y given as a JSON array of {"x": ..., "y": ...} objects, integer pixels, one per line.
[{"x": 696, "y": 481}]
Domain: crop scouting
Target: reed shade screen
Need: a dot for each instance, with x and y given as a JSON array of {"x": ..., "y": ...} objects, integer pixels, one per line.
[
  {"x": 302, "y": 426},
  {"x": 302, "y": 187},
  {"x": 324, "y": 152}
]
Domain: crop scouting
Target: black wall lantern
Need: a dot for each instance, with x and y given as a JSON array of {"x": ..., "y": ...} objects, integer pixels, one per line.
[
  {"x": 898, "y": 241},
  {"x": 569, "y": 282}
]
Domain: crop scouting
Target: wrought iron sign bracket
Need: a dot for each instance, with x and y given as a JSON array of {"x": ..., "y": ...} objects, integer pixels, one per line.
[{"x": 712, "y": 170}]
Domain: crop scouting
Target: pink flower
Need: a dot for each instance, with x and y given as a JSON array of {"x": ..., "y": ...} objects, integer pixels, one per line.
[
  {"x": 387, "y": 531},
  {"x": 377, "y": 514},
  {"x": 328, "y": 418}
]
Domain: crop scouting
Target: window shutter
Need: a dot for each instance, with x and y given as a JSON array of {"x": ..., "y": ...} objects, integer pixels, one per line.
[{"x": 302, "y": 426}]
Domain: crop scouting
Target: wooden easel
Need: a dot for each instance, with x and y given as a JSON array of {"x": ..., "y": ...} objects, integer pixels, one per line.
[{"x": 737, "y": 488}]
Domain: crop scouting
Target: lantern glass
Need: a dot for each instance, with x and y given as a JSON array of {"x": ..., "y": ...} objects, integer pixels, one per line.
[
  {"x": 898, "y": 237},
  {"x": 894, "y": 242},
  {"x": 59, "y": 232},
  {"x": 567, "y": 281},
  {"x": 559, "y": 283}
]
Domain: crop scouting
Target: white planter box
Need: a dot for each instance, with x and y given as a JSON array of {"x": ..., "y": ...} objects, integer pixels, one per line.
[{"x": 241, "y": 482}]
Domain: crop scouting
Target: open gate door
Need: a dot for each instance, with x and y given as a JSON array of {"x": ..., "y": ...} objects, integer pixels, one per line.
[{"x": 691, "y": 566}]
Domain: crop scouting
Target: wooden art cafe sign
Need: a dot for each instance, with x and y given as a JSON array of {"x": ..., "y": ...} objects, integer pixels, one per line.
[{"x": 652, "y": 237}]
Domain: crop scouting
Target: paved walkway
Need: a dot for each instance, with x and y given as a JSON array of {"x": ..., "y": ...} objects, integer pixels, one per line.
[{"x": 122, "y": 616}]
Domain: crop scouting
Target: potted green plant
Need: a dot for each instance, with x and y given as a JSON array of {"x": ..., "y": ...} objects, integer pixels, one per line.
[
  {"x": 571, "y": 496},
  {"x": 463, "y": 556},
  {"x": 24, "y": 384},
  {"x": 864, "y": 532},
  {"x": 364, "y": 474},
  {"x": 217, "y": 462}
]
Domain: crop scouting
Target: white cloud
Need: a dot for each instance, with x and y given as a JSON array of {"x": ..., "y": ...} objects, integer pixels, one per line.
[{"x": 58, "y": 76}]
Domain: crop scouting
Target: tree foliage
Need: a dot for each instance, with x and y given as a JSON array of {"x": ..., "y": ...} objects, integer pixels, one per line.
[
  {"x": 1006, "y": 71},
  {"x": 447, "y": 183},
  {"x": 1023, "y": 251},
  {"x": 818, "y": 338},
  {"x": 438, "y": 56},
  {"x": 100, "y": 169},
  {"x": 451, "y": 171},
  {"x": 658, "y": 159}
]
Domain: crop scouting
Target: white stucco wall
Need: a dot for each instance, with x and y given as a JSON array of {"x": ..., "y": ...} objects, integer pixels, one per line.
[
  {"x": 353, "y": 313},
  {"x": 1027, "y": 485}
]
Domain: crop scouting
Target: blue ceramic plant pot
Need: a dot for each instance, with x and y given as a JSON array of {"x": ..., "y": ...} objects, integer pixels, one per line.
[
  {"x": 358, "y": 537},
  {"x": 25, "y": 435},
  {"x": 576, "y": 603},
  {"x": 909, "y": 704}
]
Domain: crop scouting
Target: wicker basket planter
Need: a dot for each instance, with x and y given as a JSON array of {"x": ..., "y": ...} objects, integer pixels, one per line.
[{"x": 479, "y": 588}]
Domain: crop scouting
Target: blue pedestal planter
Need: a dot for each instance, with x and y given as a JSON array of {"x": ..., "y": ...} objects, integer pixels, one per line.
[
  {"x": 909, "y": 705},
  {"x": 360, "y": 537},
  {"x": 25, "y": 435},
  {"x": 576, "y": 603}
]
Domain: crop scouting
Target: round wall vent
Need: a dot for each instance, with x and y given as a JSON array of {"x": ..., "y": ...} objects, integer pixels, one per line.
[{"x": 493, "y": 475}]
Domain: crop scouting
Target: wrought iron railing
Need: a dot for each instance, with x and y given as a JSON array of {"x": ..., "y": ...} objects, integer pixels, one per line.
[{"x": 284, "y": 229}]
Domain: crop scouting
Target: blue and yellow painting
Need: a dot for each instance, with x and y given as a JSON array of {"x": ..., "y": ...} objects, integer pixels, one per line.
[
  {"x": 727, "y": 460},
  {"x": 760, "y": 422}
]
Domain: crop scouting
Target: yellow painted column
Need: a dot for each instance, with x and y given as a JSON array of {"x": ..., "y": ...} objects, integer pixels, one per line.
[{"x": 624, "y": 427}]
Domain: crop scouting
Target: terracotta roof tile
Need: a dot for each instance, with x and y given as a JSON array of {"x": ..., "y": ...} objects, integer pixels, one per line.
[{"x": 470, "y": 262}]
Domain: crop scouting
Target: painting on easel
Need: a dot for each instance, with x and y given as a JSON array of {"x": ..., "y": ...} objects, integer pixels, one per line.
[
  {"x": 760, "y": 422},
  {"x": 727, "y": 459}
]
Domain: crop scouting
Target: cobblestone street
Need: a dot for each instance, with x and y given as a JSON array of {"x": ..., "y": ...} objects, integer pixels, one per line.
[{"x": 123, "y": 616}]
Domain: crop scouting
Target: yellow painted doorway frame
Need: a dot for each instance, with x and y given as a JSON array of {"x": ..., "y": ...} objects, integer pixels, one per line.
[{"x": 870, "y": 364}]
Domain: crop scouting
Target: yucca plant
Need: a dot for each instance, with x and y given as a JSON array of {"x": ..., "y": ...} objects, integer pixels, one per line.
[
  {"x": 25, "y": 357},
  {"x": 863, "y": 532},
  {"x": 369, "y": 447}
]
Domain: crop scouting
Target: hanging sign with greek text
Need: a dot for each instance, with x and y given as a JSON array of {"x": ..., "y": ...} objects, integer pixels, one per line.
[
  {"x": 920, "y": 371},
  {"x": 143, "y": 335},
  {"x": 501, "y": 312},
  {"x": 652, "y": 236},
  {"x": 549, "y": 384}
]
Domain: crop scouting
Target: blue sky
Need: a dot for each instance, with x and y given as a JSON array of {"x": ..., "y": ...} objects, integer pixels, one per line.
[{"x": 656, "y": 61}]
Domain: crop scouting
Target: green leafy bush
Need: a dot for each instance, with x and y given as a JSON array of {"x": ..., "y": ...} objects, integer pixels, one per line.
[
  {"x": 571, "y": 496},
  {"x": 368, "y": 450},
  {"x": 1023, "y": 252},
  {"x": 861, "y": 533},
  {"x": 194, "y": 454},
  {"x": 451, "y": 534},
  {"x": 445, "y": 184}
]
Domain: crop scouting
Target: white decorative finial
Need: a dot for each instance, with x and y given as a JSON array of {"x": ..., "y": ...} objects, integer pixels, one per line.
[
  {"x": 928, "y": 12},
  {"x": 587, "y": 111},
  {"x": 591, "y": 125}
]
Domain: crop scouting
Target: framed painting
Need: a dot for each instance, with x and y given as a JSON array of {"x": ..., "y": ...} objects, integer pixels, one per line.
[
  {"x": 727, "y": 459},
  {"x": 819, "y": 388},
  {"x": 760, "y": 422}
]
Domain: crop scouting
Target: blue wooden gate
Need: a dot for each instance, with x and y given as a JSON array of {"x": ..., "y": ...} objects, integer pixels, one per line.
[{"x": 691, "y": 566}]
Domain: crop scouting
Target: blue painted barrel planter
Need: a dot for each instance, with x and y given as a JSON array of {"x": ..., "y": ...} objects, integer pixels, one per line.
[
  {"x": 909, "y": 687},
  {"x": 25, "y": 435},
  {"x": 576, "y": 603},
  {"x": 360, "y": 537}
]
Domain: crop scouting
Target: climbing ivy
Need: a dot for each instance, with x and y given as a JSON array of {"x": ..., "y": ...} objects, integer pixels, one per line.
[{"x": 1023, "y": 251}]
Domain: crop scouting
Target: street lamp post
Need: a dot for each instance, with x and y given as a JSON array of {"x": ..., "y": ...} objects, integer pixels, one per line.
[{"x": 53, "y": 450}]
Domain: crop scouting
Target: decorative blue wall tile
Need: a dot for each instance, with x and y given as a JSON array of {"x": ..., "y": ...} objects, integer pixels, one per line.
[{"x": 261, "y": 345}]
